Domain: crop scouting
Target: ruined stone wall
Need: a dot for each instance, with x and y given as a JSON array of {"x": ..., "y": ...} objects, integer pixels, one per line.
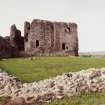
[
  {"x": 16, "y": 40},
  {"x": 5, "y": 48},
  {"x": 11, "y": 46},
  {"x": 26, "y": 33},
  {"x": 41, "y": 92},
  {"x": 41, "y": 38},
  {"x": 51, "y": 38}
]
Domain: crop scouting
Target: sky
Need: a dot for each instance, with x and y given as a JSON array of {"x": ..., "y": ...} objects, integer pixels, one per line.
[{"x": 88, "y": 14}]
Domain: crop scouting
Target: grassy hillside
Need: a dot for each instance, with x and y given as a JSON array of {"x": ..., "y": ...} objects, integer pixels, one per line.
[{"x": 45, "y": 67}]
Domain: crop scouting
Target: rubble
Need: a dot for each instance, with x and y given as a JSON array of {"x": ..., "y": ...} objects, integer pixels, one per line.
[{"x": 68, "y": 84}]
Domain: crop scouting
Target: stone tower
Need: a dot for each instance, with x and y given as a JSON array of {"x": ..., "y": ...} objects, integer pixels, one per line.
[{"x": 43, "y": 37}]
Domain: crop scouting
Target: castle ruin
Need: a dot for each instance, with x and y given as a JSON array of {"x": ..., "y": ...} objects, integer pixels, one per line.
[{"x": 41, "y": 38}]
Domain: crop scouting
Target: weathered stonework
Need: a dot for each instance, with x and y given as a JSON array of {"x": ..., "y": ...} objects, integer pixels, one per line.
[
  {"x": 40, "y": 92},
  {"x": 41, "y": 38},
  {"x": 16, "y": 39},
  {"x": 51, "y": 38},
  {"x": 5, "y": 48},
  {"x": 26, "y": 33}
]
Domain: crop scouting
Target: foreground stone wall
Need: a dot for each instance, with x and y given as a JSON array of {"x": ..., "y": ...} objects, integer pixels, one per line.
[
  {"x": 51, "y": 38},
  {"x": 68, "y": 84}
]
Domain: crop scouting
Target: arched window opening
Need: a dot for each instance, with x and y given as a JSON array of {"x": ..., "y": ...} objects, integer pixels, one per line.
[
  {"x": 37, "y": 43},
  {"x": 63, "y": 46},
  {"x": 68, "y": 29}
]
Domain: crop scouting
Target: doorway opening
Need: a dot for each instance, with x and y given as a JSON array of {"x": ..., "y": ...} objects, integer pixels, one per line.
[
  {"x": 37, "y": 43},
  {"x": 63, "y": 46}
]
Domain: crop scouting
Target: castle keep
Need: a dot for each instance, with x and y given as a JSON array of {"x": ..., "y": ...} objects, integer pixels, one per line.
[{"x": 42, "y": 38}]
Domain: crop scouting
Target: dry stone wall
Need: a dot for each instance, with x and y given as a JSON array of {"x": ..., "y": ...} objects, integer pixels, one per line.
[{"x": 68, "y": 84}]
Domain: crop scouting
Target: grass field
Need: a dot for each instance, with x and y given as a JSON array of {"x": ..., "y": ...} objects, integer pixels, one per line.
[
  {"x": 90, "y": 99},
  {"x": 45, "y": 67}
]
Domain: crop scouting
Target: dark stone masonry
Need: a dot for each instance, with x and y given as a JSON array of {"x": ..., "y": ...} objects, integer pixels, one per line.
[{"x": 41, "y": 38}]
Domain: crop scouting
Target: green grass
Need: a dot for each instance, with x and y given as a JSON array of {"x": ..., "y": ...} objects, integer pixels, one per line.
[
  {"x": 90, "y": 99},
  {"x": 2, "y": 100},
  {"x": 46, "y": 67}
]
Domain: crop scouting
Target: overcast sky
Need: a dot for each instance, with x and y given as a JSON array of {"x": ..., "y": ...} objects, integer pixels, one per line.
[{"x": 88, "y": 14}]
